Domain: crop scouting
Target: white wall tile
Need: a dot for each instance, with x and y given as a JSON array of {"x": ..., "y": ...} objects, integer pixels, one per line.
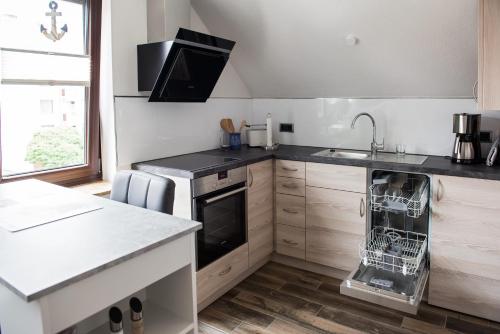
[
  {"x": 146, "y": 131},
  {"x": 424, "y": 125}
]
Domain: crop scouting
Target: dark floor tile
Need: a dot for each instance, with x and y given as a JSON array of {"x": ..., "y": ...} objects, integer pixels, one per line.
[
  {"x": 287, "y": 300},
  {"x": 346, "y": 304},
  {"x": 207, "y": 329},
  {"x": 357, "y": 322},
  {"x": 469, "y": 327},
  {"x": 266, "y": 280},
  {"x": 218, "y": 320},
  {"x": 242, "y": 313}
]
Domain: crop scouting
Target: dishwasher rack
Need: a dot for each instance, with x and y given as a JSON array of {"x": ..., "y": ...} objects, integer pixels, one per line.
[
  {"x": 394, "y": 250},
  {"x": 412, "y": 200}
]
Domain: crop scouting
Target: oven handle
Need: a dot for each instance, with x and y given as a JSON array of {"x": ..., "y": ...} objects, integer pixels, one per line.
[{"x": 232, "y": 192}]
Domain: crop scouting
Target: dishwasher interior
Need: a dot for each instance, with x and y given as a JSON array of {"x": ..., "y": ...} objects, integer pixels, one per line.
[{"x": 394, "y": 259}]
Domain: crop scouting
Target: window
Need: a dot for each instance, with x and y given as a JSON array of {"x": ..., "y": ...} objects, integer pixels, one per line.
[{"x": 49, "y": 122}]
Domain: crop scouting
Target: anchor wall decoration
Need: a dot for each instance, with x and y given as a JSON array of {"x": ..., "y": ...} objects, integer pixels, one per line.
[{"x": 53, "y": 35}]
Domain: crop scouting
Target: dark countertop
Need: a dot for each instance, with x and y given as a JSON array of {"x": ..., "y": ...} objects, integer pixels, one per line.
[{"x": 173, "y": 166}]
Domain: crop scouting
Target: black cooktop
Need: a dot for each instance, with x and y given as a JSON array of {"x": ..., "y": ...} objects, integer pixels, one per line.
[{"x": 192, "y": 162}]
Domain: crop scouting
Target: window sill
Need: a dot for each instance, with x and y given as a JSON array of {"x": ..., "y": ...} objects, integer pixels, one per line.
[{"x": 98, "y": 188}]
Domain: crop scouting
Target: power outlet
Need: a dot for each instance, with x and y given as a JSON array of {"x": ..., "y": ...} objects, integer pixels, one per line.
[
  {"x": 286, "y": 127},
  {"x": 486, "y": 136}
]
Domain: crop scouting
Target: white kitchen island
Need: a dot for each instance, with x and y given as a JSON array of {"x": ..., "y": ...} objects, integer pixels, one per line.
[{"x": 71, "y": 271}]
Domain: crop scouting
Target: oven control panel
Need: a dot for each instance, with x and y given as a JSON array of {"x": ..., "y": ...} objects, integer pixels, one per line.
[{"x": 217, "y": 181}]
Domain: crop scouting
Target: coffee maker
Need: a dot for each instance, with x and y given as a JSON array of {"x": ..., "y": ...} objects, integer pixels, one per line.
[{"x": 467, "y": 147}]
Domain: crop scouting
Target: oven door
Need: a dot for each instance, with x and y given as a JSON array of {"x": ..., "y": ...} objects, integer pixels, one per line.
[{"x": 223, "y": 217}]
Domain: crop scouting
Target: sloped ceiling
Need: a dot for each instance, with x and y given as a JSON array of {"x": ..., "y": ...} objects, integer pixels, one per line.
[{"x": 297, "y": 48}]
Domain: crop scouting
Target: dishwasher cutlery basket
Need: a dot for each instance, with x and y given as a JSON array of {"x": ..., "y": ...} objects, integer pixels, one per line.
[
  {"x": 412, "y": 199},
  {"x": 394, "y": 250}
]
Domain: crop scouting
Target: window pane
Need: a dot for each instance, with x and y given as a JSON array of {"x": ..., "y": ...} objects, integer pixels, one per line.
[
  {"x": 32, "y": 66},
  {"x": 43, "y": 127},
  {"x": 20, "y": 22}
]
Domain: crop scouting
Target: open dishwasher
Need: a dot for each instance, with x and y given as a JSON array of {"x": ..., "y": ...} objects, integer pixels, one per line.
[{"x": 394, "y": 257}]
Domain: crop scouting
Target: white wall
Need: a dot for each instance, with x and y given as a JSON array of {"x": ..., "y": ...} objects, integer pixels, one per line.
[
  {"x": 297, "y": 49},
  {"x": 125, "y": 26},
  {"x": 424, "y": 125},
  {"x": 146, "y": 131}
]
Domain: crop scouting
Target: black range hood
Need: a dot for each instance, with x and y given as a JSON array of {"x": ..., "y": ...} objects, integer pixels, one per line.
[{"x": 183, "y": 70}]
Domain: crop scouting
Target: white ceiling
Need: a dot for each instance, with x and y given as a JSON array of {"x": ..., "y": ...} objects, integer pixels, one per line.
[{"x": 297, "y": 49}]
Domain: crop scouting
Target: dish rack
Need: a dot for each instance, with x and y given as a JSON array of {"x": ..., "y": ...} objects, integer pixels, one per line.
[
  {"x": 412, "y": 202},
  {"x": 394, "y": 250}
]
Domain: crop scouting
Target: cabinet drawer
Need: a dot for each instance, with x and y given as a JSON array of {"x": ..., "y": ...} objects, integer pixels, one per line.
[
  {"x": 290, "y": 241},
  {"x": 287, "y": 168},
  {"x": 221, "y": 272},
  {"x": 333, "y": 248},
  {"x": 336, "y": 177},
  {"x": 290, "y": 186},
  {"x": 290, "y": 210}
]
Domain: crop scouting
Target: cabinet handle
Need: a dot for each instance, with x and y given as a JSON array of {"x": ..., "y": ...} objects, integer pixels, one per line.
[
  {"x": 362, "y": 208},
  {"x": 251, "y": 176},
  {"x": 290, "y": 169},
  {"x": 474, "y": 91},
  {"x": 291, "y": 211},
  {"x": 290, "y": 185},
  {"x": 440, "y": 191},
  {"x": 225, "y": 271},
  {"x": 290, "y": 243}
]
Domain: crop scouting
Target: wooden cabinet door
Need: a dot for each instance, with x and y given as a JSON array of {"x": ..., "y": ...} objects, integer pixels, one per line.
[
  {"x": 260, "y": 210},
  {"x": 465, "y": 247},
  {"x": 489, "y": 55},
  {"x": 335, "y": 226}
]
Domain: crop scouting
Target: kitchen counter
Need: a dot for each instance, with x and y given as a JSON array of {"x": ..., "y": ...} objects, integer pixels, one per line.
[
  {"x": 433, "y": 165},
  {"x": 40, "y": 260}
]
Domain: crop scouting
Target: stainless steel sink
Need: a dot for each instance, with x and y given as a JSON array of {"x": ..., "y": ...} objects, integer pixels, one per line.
[
  {"x": 364, "y": 155},
  {"x": 331, "y": 153}
]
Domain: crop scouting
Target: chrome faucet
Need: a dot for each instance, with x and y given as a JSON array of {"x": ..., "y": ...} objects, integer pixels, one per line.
[{"x": 375, "y": 146}]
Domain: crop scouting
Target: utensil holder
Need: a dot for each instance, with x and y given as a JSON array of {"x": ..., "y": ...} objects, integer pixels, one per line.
[{"x": 235, "y": 141}]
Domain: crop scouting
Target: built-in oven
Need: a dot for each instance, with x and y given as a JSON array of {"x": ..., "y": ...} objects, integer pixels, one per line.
[{"x": 219, "y": 203}]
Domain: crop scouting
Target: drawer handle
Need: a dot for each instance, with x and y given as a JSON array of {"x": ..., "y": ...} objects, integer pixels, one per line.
[
  {"x": 440, "y": 191},
  {"x": 362, "y": 207},
  {"x": 290, "y": 243},
  {"x": 290, "y": 185},
  {"x": 251, "y": 177},
  {"x": 291, "y": 211},
  {"x": 225, "y": 271},
  {"x": 290, "y": 169}
]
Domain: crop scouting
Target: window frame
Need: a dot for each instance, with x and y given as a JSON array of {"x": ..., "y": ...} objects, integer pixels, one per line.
[{"x": 91, "y": 170}]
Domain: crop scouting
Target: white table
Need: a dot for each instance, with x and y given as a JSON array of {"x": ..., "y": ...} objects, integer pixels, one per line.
[{"x": 71, "y": 271}]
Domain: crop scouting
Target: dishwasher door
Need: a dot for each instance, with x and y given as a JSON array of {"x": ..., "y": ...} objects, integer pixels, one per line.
[
  {"x": 370, "y": 284},
  {"x": 394, "y": 264}
]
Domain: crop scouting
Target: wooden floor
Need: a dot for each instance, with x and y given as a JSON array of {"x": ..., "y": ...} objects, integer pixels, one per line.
[{"x": 281, "y": 299}]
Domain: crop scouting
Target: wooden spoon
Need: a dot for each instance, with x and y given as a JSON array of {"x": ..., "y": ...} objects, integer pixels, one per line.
[
  {"x": 230, "y": 125},
  {"x": 225, "y": 124}
]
